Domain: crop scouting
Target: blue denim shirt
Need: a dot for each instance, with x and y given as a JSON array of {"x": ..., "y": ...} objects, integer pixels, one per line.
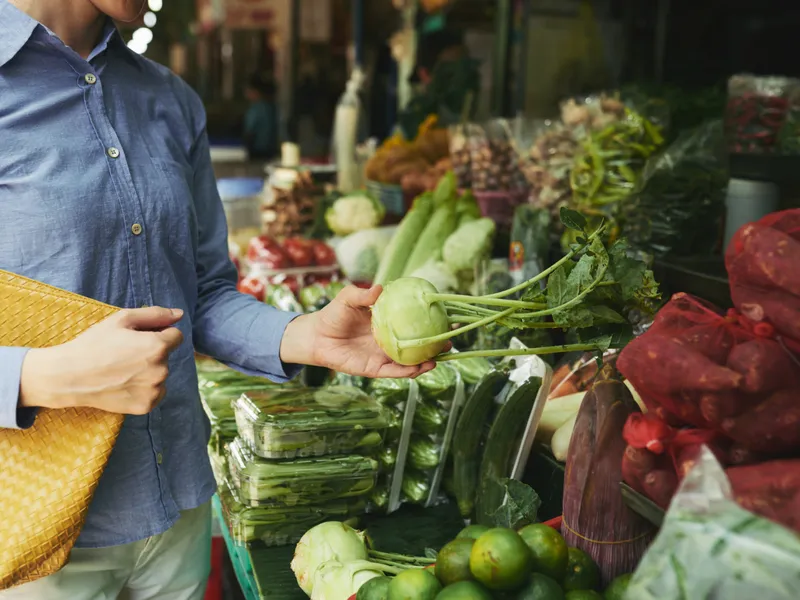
[{"x": 107, "y": 190}]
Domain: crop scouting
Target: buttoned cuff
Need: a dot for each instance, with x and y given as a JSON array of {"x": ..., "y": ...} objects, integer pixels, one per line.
[{"x": 11, "y": 415}]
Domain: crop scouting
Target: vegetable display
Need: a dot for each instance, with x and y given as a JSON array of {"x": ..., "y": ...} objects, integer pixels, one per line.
[
  {"x": 310, "y": 422},
  {"x": 592, "y": 287}
]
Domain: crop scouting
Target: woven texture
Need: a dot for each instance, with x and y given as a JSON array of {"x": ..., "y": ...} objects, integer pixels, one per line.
[{"x": 50, "y": 471}]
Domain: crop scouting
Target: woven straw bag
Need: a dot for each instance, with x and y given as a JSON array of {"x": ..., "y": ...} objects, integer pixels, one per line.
[{"x": 50, "y": 471}]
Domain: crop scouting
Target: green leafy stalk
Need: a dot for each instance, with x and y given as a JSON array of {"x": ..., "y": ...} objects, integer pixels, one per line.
[{"x": 514, "y": 352}]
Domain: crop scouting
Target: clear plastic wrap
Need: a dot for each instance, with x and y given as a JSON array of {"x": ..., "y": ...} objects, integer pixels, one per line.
[
  {"x": 298, "y": 482},
  {"x": 711, "y": 548},
  {"x": 310, "y": 422},
  {"x": 280, "y": 526},
  {"x": 434, "y": 413}
]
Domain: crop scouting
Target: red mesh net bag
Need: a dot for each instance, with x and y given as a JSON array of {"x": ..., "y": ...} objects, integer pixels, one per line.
[
  {"x": 720, "y": 372},
  {"x": 762, "y": 262}
]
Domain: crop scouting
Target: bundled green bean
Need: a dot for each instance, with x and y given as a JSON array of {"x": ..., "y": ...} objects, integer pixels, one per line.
[
  {"x": 310, "y": 422},
  {"x": 303, "y": 481}
]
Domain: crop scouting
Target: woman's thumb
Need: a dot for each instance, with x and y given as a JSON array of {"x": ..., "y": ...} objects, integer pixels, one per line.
[
  {"x": 152, "y": 318},
  {"x": 355, "y": 297}
]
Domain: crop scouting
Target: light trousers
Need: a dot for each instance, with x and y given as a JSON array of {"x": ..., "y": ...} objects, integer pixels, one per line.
[{"x": 174, "y": 565}]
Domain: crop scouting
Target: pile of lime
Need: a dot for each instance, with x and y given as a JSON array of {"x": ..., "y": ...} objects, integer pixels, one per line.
[{"x": 533, "y": 563}]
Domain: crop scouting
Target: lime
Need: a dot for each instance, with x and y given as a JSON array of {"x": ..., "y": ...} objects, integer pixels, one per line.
[
  {"x": 414, "y": 584},
  {"x": 500, "y": 560},
  {"x": 452, "y": 562},
  {"x": 548, "y": 548},
  {"x": 540, "y": 587},
  {"x": 374, "y": 589},
  {"x": 582, "y": 572},
  {"x": 617, "y": 588},
  {"x": 464, "y": 590},
  {"x": 472, "y": 532}
]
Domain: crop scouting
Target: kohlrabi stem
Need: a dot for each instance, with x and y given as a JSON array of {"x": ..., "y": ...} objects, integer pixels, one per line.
[
  {"x": 470, "y": 309},
  {"x": 443, "y": 337},
  {"x": 462, "y": 319},
  {"x": 431, "y": 298},
  {"x": 567, "y": 257},
  {"x": 517, "y": 352},
  {"x": 401, "y": 558}
]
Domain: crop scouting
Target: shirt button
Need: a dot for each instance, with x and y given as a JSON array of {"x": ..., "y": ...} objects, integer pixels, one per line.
[
  {"x": 159, "y": 458},
  {"x": 113, "y": 152},
  {"x": 90, "y": 79},
  {"x": 136, "y": 229}
]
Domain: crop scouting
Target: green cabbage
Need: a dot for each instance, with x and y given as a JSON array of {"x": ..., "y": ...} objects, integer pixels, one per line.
[{"x": 467, "y": 246}]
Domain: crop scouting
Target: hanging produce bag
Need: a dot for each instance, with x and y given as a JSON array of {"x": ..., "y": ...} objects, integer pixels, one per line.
[{"x": 711, "y": 548}]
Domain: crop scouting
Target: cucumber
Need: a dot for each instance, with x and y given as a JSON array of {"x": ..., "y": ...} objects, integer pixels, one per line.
[
  {"x": 503, "y": 439},
  {"x": 467, "y": 437},
  {"x": 408, "y": 232}
]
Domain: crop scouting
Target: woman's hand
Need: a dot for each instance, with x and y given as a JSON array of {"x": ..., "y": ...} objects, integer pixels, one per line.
[
  {"x": 339, "y": 337},
  {"x": 119, "y": 365}
]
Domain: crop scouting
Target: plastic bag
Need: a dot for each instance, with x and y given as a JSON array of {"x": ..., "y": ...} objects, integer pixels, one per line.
[
  {"x": 547, "y": 152},
  {"x": 530, "y": 243},
  {"x": 711, "y": 548},
  {"x": 461, "y": 140},
  {"x": 762, "y": 261},
  {"x": 494, "y": 163},
  {"x": 678, "y": 206},
  {"x": 761, "y": 116}
]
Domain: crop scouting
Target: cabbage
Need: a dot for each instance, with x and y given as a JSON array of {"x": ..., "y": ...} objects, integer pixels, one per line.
[
  {"x": 467, "y": 246},
  {"x": 360, "y": 253},
  {"x": 354, "y": 212},
  {"x": 332, "y": 541}
]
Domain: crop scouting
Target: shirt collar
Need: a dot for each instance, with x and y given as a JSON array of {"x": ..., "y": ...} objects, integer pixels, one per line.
[{"x": 16, "y": 29}]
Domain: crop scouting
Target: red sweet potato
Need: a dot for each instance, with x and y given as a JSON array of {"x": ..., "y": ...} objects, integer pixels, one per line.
[
  {"x": 766, "y": 257},
  {"x": 636, "y": 464},
  {"x": 772, "y": 426},
  {"x": 779, "y": 308},
  {"x": 657, "y": 362},
  {"x": 766, "y": 366},
  {"x": 716, "y": 407},
  {"x": 770, "y": 489}
]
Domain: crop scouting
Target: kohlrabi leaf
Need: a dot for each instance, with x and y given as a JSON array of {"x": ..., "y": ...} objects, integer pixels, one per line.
[
  {"x": 520, "y": 507},
  {"x": 572, "y": 219}
]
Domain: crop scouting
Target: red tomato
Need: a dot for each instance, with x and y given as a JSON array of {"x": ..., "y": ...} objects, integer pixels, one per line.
[
  {"x": 265, "y": 251},
  {"x": 299, "y": 250},
  {"x": 253, "y": 286},
  {"x": 323, "y": 254},
  {"x": 320, "y": 279}
]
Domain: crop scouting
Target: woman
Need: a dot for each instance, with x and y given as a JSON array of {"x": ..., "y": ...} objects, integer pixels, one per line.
[{"x": 106, "y": 189}]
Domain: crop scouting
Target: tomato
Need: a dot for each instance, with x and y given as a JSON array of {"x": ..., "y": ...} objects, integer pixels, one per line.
[
  {"x": 265, "y": 251},
  {"x": 253, "y": 286},
  {"x": 300, "y": 251},
  {"x": 324, "y": 255}
]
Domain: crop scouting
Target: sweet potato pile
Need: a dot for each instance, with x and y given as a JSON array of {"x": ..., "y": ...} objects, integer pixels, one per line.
[{"x": 729, "y": 380}]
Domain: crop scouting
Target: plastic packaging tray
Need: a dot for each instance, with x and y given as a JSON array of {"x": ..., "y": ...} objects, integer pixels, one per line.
[
  {"x": 310, "y": 422},
  {"x": 278, "y": 526},
  {"x": 304, "y": 481}
]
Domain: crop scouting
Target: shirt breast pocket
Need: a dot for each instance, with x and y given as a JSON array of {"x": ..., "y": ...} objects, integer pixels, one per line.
[{"x": 174, "y": 199}]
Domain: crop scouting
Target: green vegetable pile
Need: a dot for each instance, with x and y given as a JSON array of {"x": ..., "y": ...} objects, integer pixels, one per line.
[
  {"x": 593, "y": 292},
  {"x": 310, "y": 422}
]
